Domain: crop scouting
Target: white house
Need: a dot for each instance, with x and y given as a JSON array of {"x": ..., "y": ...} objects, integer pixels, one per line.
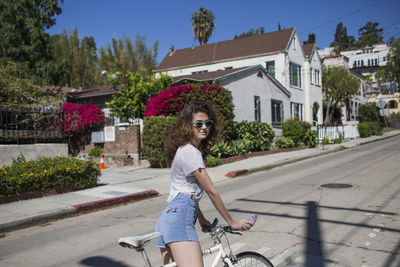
[
  {"x": 256, "y": 94},
  {"x": 369, "y": 59},
  {"x": 350, "y": 110},
  {"x": 280, "y": 53}
]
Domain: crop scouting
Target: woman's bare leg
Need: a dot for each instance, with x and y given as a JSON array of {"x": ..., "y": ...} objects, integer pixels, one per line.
[{"x": 187, "y": 254}]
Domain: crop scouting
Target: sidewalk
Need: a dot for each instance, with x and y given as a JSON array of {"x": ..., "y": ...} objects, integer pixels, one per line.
[{"x": 120, "y": 185}]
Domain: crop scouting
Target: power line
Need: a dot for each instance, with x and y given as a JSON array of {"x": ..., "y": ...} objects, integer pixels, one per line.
[{"x": 344, "y": 16}]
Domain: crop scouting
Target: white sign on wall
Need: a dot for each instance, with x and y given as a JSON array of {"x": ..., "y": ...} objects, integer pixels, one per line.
[
  {"x": 109, "y": 134},
  {"x": 97, "y": 137}
]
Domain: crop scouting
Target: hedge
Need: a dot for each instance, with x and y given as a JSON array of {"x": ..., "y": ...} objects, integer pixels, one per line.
[
  {"x": 294, "y": 130},
  {"x": 154, "y": 133},
  {"x": 259, "y": 134},
  {"x": 47, "y": 173}
]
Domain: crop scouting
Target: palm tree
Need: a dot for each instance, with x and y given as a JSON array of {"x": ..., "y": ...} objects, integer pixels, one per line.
[{"x": 202, "y": 25}]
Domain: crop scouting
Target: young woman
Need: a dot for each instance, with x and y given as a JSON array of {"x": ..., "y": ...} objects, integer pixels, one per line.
[{"x": 194, "y": 129}]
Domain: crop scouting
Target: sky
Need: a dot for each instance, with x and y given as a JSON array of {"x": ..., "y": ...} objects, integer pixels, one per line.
[{"x": 168, "y": 21}]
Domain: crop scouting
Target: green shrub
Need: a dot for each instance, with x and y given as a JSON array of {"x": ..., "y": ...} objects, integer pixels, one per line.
[
  {"x": 375, "y": 128},
  {"x": 47, "y": 173},
  {"x": 369, "y": 112},
  {"x": 260, "y": 135},
  {"x": 96, "y": 151},
  {"x": 294, "y": 130},
  {"x": 337, "y": 141},
  {"x": 222, "y": 149},
  {"x": 310, "y": 138},
  {"x": 213, "y": 161},
  {"x": 284, "y": 142},
  {"x": 240, "y": 146},
  {"x": 363, "y": 129},
  {"x": 154, "y": 132}
]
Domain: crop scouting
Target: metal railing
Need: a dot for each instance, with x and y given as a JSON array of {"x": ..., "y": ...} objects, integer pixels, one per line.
[{"x": 26, "y": 125}]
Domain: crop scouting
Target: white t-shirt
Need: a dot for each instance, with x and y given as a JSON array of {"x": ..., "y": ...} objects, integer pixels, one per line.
[{"x": 187, "y": 160}]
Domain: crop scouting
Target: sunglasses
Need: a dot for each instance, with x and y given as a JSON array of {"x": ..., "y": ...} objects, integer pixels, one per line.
[{"x": 199, "y": 124}]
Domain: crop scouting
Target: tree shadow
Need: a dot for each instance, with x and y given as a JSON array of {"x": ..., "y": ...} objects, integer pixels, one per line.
[{"x": 100, "y": 261}]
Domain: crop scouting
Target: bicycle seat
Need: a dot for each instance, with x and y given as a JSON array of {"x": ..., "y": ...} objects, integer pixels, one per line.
[{"x": 137, "y": 241}]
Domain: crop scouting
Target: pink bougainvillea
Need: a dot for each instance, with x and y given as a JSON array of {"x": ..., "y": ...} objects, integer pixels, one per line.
[
  {"x": 79, "y": 118},
  {"x": 172, "y": 100}
]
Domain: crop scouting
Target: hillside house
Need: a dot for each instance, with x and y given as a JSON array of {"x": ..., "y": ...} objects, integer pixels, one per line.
[{"x": 278, "y": 56}]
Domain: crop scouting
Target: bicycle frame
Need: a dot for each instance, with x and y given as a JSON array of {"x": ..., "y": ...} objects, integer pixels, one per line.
[{"x": 220, "y": 255}]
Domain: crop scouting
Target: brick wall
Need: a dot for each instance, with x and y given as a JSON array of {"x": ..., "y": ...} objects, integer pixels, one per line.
[{"x": 125, "y": 141}]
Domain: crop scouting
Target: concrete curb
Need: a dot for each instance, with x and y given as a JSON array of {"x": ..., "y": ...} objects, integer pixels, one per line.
[
  {"x": 75, "y": 209},
  {"x": 37, "y": 219},
  {"x": 114, "y": 201},
  {"x": 242, "y": 172}
]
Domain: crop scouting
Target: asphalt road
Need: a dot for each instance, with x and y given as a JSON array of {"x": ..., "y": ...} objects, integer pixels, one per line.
[{"x": 300, "y": 222}]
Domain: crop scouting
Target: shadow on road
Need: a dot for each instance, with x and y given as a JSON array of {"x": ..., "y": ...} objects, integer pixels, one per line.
[
  {"x": 101, "y": 261},
  {"x": 314, "y": 252}
]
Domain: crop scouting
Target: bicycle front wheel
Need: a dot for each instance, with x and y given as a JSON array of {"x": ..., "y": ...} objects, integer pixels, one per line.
[{"x": 251, "y": 259}]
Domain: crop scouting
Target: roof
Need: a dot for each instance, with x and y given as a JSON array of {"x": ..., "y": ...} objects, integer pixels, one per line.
[
  {"x": 308, "y": 49},
  {"x": 232, "y": 49},
  {"x": 57, "y": 89},
  {"x": 356, "y": 73},
  {"x": 222, "y": 74},
  {"x": 93, "y": 92},
  {"x": 207, "y": 76}
]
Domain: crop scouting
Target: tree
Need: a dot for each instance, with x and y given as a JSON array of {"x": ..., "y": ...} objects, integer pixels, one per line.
[
  {"x": 202, "y": 25},
  {"x": 23, "y": 34},
  {"x": 251, "y": 32},
  {"x": 15, "y": 90},
  {"x": 392, "y": 68},
  {"x": 342, "y": 40},
  {"x": 370, "y": 34},
  {"x": 338, "y": 85},
  {"x": 123, "y": 56},
  {"x": 74, "y": 61},
  {"x": 311, "y": 39},
  {"x": 130, "y": 101}
]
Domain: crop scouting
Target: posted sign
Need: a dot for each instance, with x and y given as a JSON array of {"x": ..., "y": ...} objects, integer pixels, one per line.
[{"x": 109, "y": 134}]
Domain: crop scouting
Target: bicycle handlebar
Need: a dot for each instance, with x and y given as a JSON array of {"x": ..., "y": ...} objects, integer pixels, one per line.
[{"x": 226, "y": 229}]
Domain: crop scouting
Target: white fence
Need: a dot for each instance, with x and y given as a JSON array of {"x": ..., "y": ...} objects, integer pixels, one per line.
[{"x": 343, "y": 132}]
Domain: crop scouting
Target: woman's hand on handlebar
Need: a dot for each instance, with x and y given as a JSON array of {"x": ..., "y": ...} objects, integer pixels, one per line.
[{"x": 242, "y": 225}]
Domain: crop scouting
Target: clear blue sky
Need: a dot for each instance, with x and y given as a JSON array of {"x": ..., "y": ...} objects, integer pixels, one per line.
[{"x": 169, "y": 21}]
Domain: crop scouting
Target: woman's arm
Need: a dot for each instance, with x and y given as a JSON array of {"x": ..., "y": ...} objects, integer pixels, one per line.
[
  {"x": 202, "y": 220},
  {"x": 207, "y": 185}
]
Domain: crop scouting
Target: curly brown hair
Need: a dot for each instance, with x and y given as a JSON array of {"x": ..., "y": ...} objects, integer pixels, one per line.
[{"x": 181, "y": 133}]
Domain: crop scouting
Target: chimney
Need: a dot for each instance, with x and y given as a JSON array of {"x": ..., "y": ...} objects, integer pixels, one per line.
[{"x": 171, "y": 50}]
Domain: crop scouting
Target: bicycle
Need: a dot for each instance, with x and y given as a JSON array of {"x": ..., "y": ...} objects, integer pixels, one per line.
[{"x": 247, "y": 258}]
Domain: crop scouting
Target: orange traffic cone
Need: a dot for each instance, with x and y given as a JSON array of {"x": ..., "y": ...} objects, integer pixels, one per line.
[{"x": 102, "y": 167}]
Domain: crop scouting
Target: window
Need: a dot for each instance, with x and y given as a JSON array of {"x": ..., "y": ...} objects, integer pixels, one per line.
[
  {"x": 369, "y": 62},
  {"x": 393, "y": 104},
  {"x": 276, "y": 112},
  {"x": 295, "y": 75},
  {"x": 257, "y": 108},
  {"x": 294, "y": 43},
  {"x": 270, "y": 66},
  {"x": 296, "y": 110},
  {"x": 311, "y": 75},
  {"x": 200, "y": 71},
  {"x": 376, "y": 62},
  {"x": 316, "y": 79}
]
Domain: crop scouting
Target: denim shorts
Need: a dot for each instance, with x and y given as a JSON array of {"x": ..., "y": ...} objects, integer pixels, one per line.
[{"x": 176, "y": 222}]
